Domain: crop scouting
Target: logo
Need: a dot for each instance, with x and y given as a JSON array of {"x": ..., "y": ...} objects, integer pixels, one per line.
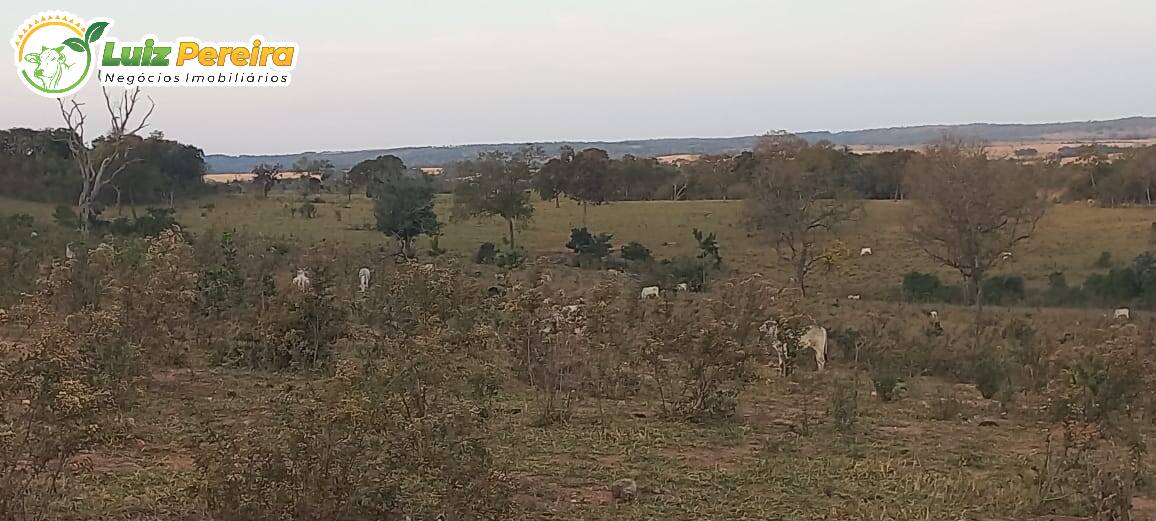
[{"x": 55, "y": 52}]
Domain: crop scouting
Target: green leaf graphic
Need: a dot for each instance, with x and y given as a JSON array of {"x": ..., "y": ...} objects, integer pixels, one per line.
[
  {"x": 76, "y": 44},
  {"x": 95, "y": 31}
]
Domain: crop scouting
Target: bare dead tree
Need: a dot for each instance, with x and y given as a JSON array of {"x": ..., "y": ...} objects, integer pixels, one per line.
[
  {"x": 798, "y": 207},
  {"x": 969, "y": 209},
  {"x": 100, "y": 161}
]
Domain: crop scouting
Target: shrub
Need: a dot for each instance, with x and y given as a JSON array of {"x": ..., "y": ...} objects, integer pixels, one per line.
[
  {"x": 682, "y": 270},
  {"x": 990, "y": 373},
  {"x": 92, "y": 325},
  {"x": 1129, "y": 283},
  {"x": 699, "y": 356},
  {"x": 510, "y": 259},
  {"x": 921, "y": 287},
  {"x": 221, "y": 284},
  {"x": 885, "y": 378},
  {"x": 54, "y": 406},
  {"x": 1092, "y": 389},
  {"x": 386, "y": 438},
  {"x": 296, "y": 331},
  {"x": 1003, "y": 289},
  {"x": 708, "y": 249},
  {"x": 585, "y": 244},
  {"x": 486, "y": 253},
  {"x": 307, "y": 210},
  {"x": 1027, "y": 351},
  {"x": 549, "y": 352},
  {"x": 635, "y": 251},
  {"x": 844, "y": 407},
  {"x": 66, "y": 217},
  {"x": 944, "y": 406},
  {"x": 21, "y": 250}
]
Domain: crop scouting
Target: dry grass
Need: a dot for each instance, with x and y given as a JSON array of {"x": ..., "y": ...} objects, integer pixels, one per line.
[
  {"x": 781, "y": 459},
  {"x": 1069, "y": 239}
]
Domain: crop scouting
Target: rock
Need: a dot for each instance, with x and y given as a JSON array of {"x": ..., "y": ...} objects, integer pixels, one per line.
[
  {"x": 987, "y": 422},
  {"x": 624, "y": 490}
]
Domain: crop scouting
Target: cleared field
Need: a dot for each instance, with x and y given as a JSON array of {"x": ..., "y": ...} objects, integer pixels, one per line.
[{"x": 1069, "y": 239}]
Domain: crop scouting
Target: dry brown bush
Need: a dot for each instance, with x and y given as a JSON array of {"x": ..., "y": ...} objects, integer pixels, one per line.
[{"x": 94, "y": 324}]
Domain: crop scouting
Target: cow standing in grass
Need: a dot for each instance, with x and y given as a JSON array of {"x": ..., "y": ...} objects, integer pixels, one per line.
[
  {"x": 814, "y": 337},
  {"x": 363, "y": 275},
  {"x": 50, "y": 65}
]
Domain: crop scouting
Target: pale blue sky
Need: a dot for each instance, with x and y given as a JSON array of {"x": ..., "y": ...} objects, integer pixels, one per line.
[{"x": 394, "y": 73}]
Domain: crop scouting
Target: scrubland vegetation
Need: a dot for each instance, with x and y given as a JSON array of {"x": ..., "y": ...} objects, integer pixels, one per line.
[{"x": 214, "y": 357}]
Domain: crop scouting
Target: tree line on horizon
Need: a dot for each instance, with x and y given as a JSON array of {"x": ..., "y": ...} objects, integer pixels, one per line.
[{"x": 37, "y": 165}]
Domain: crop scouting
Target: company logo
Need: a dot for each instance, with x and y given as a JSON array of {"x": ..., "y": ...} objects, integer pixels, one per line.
[{"x": 56, "y": 53}]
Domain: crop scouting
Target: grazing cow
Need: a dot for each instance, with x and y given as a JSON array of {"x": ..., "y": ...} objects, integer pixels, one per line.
[
  {"x": 34, "y": 235},
  {"x": 854, "y": 297},
  {"x": 863, "y": 252},
  {"x": 650, "y": 292},
  {"x": 363, "y": 279},
  {"x": 1123, "y": 313},
  {"x": 50, "y": 64},
  {"x": 814, "y": 337},
  {"x": 1005, "y": 255},
  {"x": 301, "y": 281},
  {"x": 682, "y": 286}
]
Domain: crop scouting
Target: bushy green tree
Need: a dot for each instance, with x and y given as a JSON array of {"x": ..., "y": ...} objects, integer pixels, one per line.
[
  {"x": 497, "y": 184},
  {"x": 403, "y": 205}
]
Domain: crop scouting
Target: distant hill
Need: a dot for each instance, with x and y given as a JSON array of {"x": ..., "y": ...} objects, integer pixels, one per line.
[{"x": 1117, "y": 129}]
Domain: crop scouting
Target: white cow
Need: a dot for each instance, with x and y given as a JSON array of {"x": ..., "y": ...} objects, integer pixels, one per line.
[
  {"x": 1123, "y": 313},
  {"x": 815, "y": 337},
  {"x": 301, "y": 281},
  {"x": 934, "y": 317},
  {"x": 1005, "y": 255},
  {"x": 650, "y": 292},
  {"x": 863, "y": 252},
  {"x": 854, "y": 297},
  {"x": 682, "y": 286},
  {"x": 363, "y": 275}
]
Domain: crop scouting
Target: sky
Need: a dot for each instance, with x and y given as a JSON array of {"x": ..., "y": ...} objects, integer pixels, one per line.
[{"x": 435, "y": 72}]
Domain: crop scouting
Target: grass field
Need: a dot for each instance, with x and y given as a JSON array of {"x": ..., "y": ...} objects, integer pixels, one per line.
[
  {"x": 780, "y": 459},
  {"x": 1069, "y": 239}
]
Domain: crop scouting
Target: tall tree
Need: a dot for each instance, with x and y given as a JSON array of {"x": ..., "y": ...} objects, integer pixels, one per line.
[
  {"x": 265, "y": 175},
  {"x": 547, "y": 181},
  {"x": 797, "y": 205},
  {"x": 375, "y": 171},
  {"x": 403, "y": 205},
  {"x": 969, "y": 209},
  {"x": 161, "y": 170},
  {"x": 100, "y": 163},
  {"x": 1139, "y": 171},
  {"x": 497, "y": 184},
  {"x": 317, "y": 172},
  {"x": 587, "y": 179}
]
